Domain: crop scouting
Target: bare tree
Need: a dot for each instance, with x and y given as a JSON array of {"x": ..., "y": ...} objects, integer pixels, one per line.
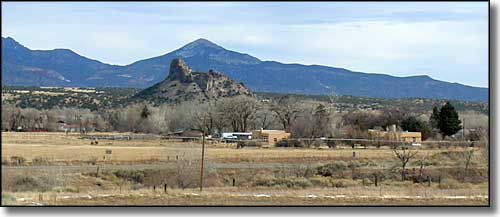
[
  {"x": 286, "y": 109},
  {"x": 238, "y": 111},
  {"x": 264, "y": 118},
  {"x": 404, "y": 154}
]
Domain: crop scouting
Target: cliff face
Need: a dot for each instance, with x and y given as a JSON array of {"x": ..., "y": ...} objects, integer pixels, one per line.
[{"x": 182, "y": 84}]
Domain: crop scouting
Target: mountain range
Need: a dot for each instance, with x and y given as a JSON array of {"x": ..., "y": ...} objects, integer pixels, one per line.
[{"x": 22, "y": 66}]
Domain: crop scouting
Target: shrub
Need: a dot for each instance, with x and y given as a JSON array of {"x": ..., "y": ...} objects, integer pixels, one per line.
[
  {"x": 332, "y": 169},
  {"x": 332, "y": 143},
  {"x": 321, "y": 181},
  {"x": 448, "y": 183},
  {"x": 40, "y": 161},
  {"x": 290, "y": 144},
  {"x": 92, "y": 160},
  {"x": 285, "y": 182},
  {"x": 18, "y": 161},
  {"x": 343, "y": 183},
  {"x": 7, "y": 199},
  {"x": 242, "y": 144},
  {"x": 65, "y": 189},
  {"x": 136, "y": 176},
  {"x": 5, "y": 162},
  {"x": 28, "y": 183}
]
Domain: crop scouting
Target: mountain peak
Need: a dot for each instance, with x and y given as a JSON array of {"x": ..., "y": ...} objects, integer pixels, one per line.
[
  {"x": 204, "y": 42},
  {"x": 9, "y": 40},
  {"x": 200, "y": 44},
  {"x": 203, "y": 48},
  {"x": 11, "y": 43}
]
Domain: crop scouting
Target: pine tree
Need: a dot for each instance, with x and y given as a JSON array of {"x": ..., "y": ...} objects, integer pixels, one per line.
[
  {"x": 434, "y": 119},
  {"x": 145, "y": 112},
  {"x": 449, "y": 123}
]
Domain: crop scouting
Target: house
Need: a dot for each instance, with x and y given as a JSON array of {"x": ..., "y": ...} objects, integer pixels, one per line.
[
  {"x": 413, "y": 137},
  {"x": 393, "y": 134},
  {"x": 270, "y": 136},
  {"x": 186, "y": 135},
  {"x": 66, "y": 127}
]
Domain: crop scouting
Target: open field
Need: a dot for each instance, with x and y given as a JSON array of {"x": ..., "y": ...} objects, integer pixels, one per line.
[{"x": 59, "y": 169}]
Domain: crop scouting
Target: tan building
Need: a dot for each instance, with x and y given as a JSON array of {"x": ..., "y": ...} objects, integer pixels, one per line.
[
  {"x": 395, "y": 135},
  {"x": 270, "y": 136}
]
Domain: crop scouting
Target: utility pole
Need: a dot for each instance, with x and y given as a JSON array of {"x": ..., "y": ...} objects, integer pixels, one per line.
[{"x": 202, "y": 158}]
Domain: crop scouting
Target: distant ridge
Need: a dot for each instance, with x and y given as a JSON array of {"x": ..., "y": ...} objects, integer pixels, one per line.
[{"x": 61, "y": 67}]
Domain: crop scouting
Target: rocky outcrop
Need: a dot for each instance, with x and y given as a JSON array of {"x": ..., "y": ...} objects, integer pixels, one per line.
[
  {"x": 179, "y": 71},
  {"x": 182, "y": 84}
]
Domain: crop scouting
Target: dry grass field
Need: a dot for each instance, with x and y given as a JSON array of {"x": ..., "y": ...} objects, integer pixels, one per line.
[{"x": 60, "y": 169}]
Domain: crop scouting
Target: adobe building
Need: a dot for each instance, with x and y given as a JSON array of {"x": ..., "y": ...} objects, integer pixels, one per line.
[
  {"x": 393, "y": 134},
  {"x": 270, "y": 136}
]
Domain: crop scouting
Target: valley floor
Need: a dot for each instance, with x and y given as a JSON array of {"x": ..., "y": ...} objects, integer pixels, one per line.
[{"x": 58, "y": 169}]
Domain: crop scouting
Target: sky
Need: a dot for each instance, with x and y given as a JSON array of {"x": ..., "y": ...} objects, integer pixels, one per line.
[{"x": 445, "y": 40}]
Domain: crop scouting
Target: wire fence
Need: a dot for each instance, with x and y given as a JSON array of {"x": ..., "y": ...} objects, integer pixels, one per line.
[{"x": 337, "y": 141}]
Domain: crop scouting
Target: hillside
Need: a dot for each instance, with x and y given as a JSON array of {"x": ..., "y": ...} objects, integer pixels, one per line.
[
  {"x": 24, "y": 67},
  {"x": 59, "y": 67},
  {"x": 182, "y": 84}
]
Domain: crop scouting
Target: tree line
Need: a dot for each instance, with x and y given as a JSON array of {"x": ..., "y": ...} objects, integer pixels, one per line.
[{"x": 304, "y": 118}]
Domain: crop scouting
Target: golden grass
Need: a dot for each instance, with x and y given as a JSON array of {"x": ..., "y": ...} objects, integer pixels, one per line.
[
  {"x": 59, "y": 147},
  {"x": 261, "y": 196}
]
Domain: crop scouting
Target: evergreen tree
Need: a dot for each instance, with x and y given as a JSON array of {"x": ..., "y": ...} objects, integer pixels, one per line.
[
  {"x": 145, "y": 112},
  {"x": 448, "y": 123},
  {"x": 412, "y": 124},
  {"x": 434, "y": 119}
]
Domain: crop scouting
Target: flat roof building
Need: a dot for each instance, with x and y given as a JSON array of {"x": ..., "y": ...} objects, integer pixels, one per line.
[{"x": 270, "y": 136}]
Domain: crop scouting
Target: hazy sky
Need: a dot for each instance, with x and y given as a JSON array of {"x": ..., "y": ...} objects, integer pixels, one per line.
[{"x": 445, "y": 40}]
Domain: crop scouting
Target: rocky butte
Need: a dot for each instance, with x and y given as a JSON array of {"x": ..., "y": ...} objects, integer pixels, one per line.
[{"x": 182, "y": 84}]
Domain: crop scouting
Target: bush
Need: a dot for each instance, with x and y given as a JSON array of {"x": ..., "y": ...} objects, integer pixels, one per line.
[
  {"x": 7, "y": 199},
  {"x": 285, "y": 182},
  {"x": 28, "y": 183},
  {"x": 448, "y": 183},
  {"x": 65, "y": 189},
  {"x": 342, "y": 184},
  {"x": 5, "y": 162},
  {"x": 136, "y": 176},
  {"x": 290, "y": 144},
  {"x": 40, "y": 161},
  {"x": 18, "y": 161},
  {"x": 332, "y": 169},
  {"x": 242, "y": 144},
  {"x": 92, "y": 160},
  {"x": 332, "y": 143},
  {"x": 321, "y": 181}
]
